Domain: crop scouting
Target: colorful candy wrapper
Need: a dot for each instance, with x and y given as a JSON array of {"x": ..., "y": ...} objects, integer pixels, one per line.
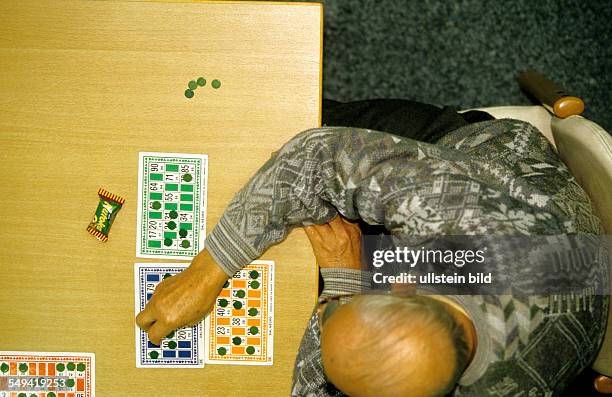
[{"x": 105, "y": 214}]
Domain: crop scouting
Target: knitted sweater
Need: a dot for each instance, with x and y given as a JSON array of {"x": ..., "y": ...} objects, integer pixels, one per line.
[{"x": 503, "y": 177}]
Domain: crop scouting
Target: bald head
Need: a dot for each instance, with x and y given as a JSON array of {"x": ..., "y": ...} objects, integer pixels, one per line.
[{"x": 383, "y": 345}]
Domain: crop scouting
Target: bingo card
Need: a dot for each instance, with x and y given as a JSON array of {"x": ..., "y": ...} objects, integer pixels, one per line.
[
  {"x": 179, "y": 349},
  {"x": 46, "y": 374},
  {"x": 239, "y": 330},
  {"x": 171, "y": 220}
]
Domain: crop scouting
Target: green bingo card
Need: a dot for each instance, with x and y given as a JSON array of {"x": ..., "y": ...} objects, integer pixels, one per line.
[{"x": 171, "y": 205}]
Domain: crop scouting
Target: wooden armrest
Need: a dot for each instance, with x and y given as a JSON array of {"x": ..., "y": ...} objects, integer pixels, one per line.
[{"x": 552, "y": 97}]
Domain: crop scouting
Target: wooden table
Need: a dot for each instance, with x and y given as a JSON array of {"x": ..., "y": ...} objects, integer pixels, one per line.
[{"x": 85, "y": 86}]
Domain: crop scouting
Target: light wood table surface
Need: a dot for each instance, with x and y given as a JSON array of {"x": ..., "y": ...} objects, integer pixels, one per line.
[{"x": 84, "y": 87}]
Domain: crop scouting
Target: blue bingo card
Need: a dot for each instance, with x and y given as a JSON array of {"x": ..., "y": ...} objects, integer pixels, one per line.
[{"x": 182, "y": 348}]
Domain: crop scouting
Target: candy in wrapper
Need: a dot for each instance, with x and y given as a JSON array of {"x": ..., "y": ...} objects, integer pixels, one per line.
[{"x": 105, "y": 214}]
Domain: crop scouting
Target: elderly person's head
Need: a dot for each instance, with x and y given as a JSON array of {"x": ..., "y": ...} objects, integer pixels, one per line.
[{"x": 386, "y": 345}]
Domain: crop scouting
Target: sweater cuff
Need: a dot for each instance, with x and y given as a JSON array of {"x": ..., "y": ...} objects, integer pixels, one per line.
[
  {"x": 228, "y": 248},
  {"x": 339, "y": 281}
]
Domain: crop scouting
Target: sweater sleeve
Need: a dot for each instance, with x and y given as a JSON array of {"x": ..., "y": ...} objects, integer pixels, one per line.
[{"x": 314, "y": 176}]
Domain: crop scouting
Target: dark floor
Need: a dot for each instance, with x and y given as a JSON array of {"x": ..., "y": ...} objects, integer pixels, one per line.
[{"x": 468, "y": 53}]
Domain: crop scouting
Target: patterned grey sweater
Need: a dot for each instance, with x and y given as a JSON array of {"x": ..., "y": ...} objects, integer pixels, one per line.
[{"x": 504, "y": 179}]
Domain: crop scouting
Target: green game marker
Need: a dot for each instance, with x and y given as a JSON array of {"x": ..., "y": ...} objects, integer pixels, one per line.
[
  {"x": 254, "y": 284},
  {"x": 236, "y": 340},
  {"x": 167, "y": 242},
  {"x": 240, "y": 294},
  {"x": 254, "y": 330},
  {"x": 250, "y": 350},
  {"x": 223, "y": 302},
  {"x": 222, "y": 351},
  {"x": 192, "y": 85},
  {"x": 22, "y": 395},
  {"x": 167, "y": 275},
  {"x": 154, "y": 355},
  {"x": 172, "y": 344},
  {"x": 237, "y": 305},
  {"x": 51, "y": 394},
  {"x": 4, "y": 367},
  {"x": 226, "y": 284},
  {"x": 80, "y": 367},
  {"x": 156, "y": 205},
  {"x": 183, "y": 233},
  {"x": 70, "y": 382},
  {"x": 215, "y": 84},
  {"x": 170, "y": 335},
  {"x": 187, "y": 177},
  {"x": 173, "y": 214},
  {"x": 33, "y": 395},
  {"x": 253, "y": 311},
  {"x": 189, "y": 93},
  {"x": 23, "y": 367},
  {"x": 201, "y": 81},
  {"x": 185, "y": 244},
  {"x": 60, "y": 367},
  {"x": 71, "y": 366},
  {"x": 171, "y": 225},
  {"x": 254, "y": 274}
]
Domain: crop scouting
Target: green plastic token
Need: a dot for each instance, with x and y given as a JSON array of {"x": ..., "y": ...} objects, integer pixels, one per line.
[
  {"x": 254, "y": 330},
  {"x": 156, "y": 205},
  {"x": 154, "y": 355},
  {"x": 237, "y": 305},
  {"x": 226, "y": 284},
  {"x": 253, "y": 311},
  {"x": 183, "y": 233},
  {"x": 172, "y": 344},
  {"x": 22, "y": 395},
  {"x": 185, "y": 244},
  {"x": 254, "y": 274},
  {"x": 167, "y": 242},
  {"x": 240, "y": 293},
  {"x": 167, "y": 275},
  {"x": 215, "y": 84},
  {"x": 173, "y": 214},
  {"x": 51, "y": 394},
  {"x": 192, "y": 85},
  {"x": 236, "y": 340},
  {"x": 201, "y": 81},
  {"x": 189, "y": 93},
  {"x": 60, "y": 367},
  {"x": 4, "y": 367},
  {"x": 70, "y": 382},
  {"x": 71, "y": 366},
  {"x": 80, "y": 367},
  {"x": 171, "y": 225},
  {"x": 223, "y": 302},
  {"x": 170, "y": 335},
  {"x": 222, "y": 351},
  {"x": 187, "y": 177},
  {"x": 250, "y": 350},
  {"x": 254, "y": 284},
  {"x": 23, "y": 367}
]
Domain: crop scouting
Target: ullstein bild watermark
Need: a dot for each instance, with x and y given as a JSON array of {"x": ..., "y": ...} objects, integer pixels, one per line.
[{"x": 491, "y": 264}]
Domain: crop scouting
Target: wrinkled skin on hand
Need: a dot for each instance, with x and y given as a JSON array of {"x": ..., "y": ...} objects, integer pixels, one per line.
[
  {"x": 336, "y": 244},
  {"x": 183, "y": 299}
]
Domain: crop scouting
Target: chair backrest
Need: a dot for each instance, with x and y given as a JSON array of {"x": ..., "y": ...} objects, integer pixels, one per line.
[{"x": 586, "y": 149}]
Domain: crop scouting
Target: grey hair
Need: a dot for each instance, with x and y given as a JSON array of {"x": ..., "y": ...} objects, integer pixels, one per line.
[{"x": 384, "y": 312}]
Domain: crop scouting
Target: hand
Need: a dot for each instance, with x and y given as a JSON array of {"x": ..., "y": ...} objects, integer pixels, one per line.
[
  {"x": 184, "y": 299},
  {"x": 336, "y": 244}
]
